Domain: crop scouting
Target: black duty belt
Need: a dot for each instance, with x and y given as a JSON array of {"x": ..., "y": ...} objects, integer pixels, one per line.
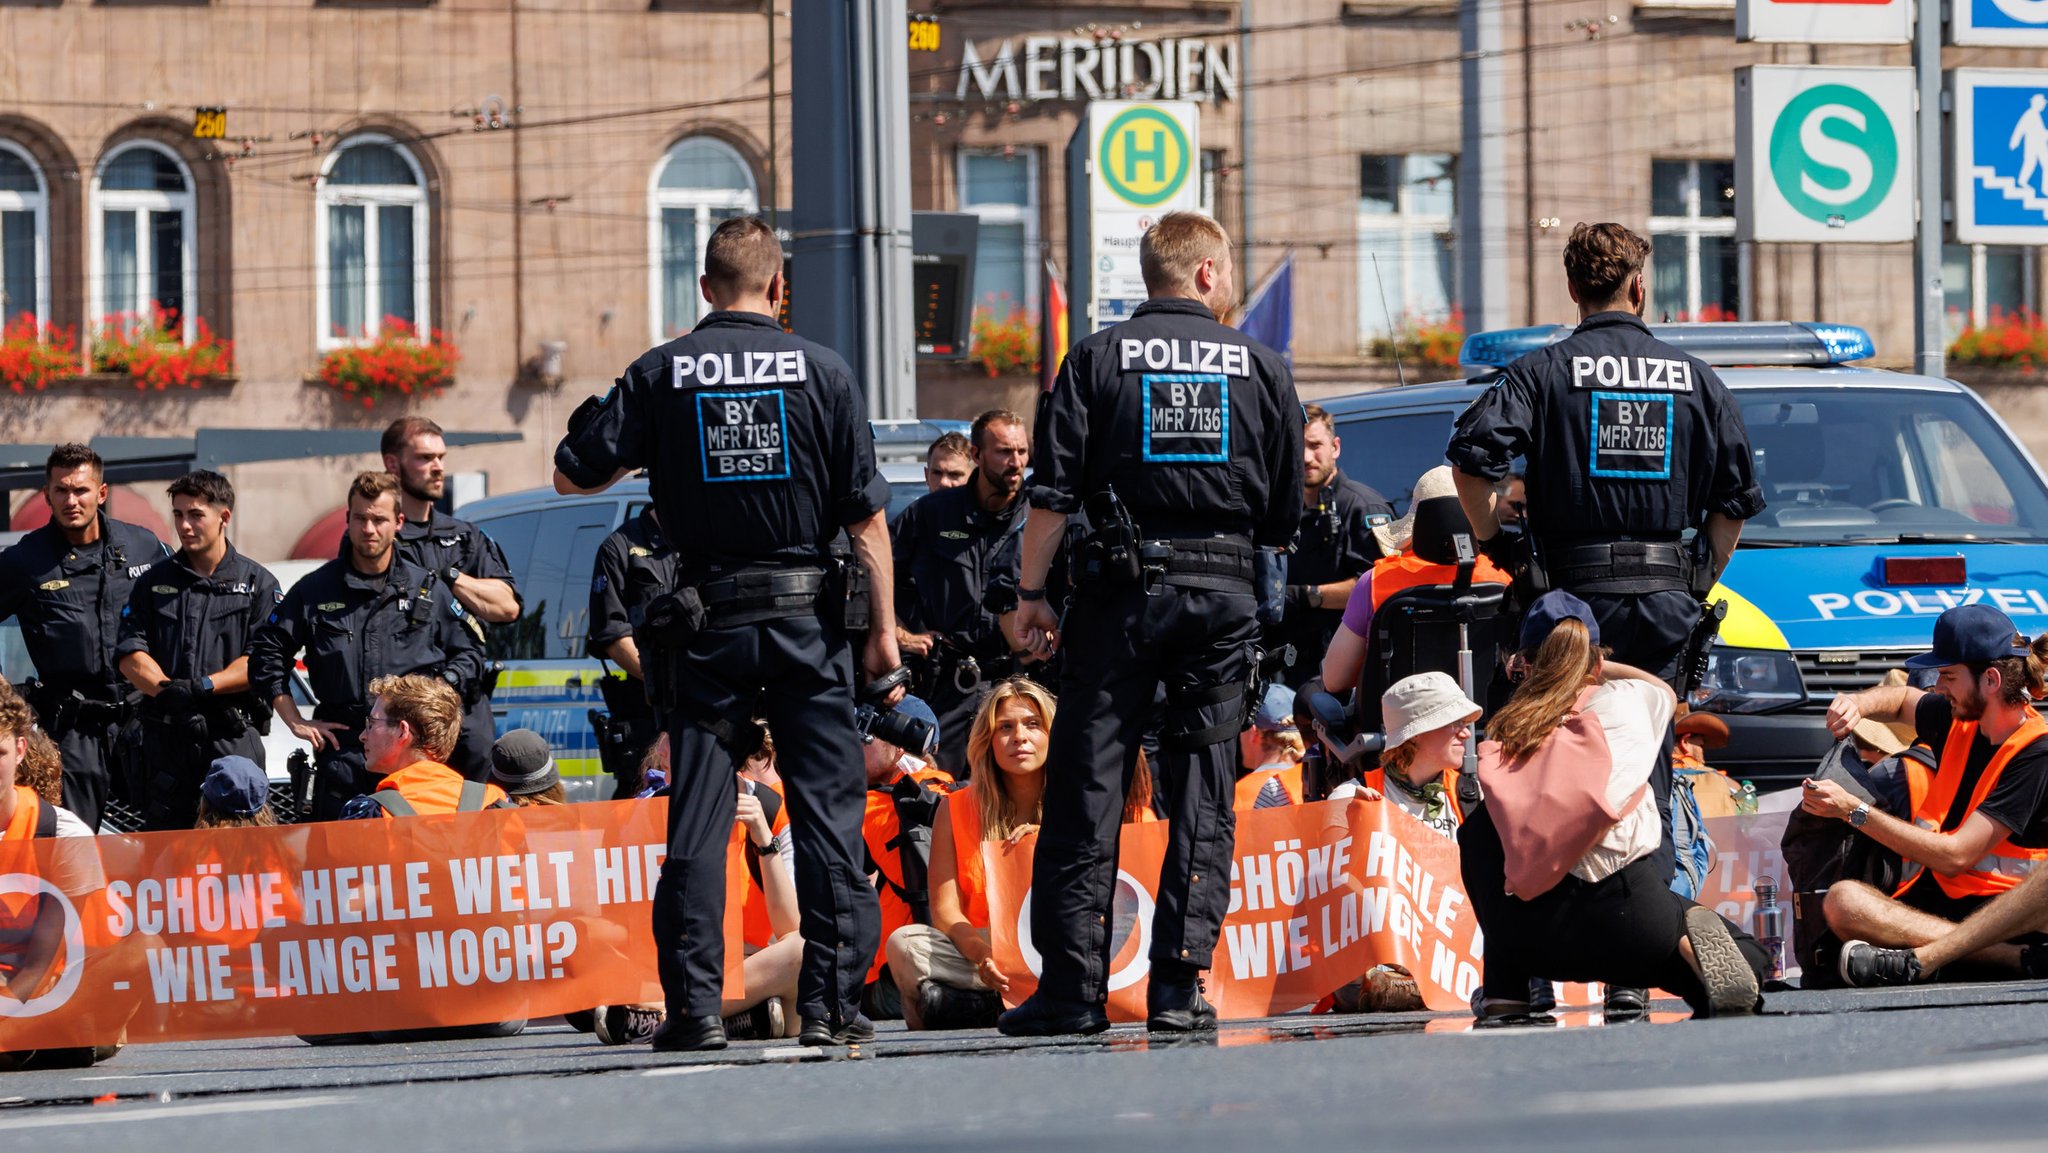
[
  {"x": 761, "y": 594},
  {"x": 1221, "y": 564},
  {"x": 1622, "y": 566}
]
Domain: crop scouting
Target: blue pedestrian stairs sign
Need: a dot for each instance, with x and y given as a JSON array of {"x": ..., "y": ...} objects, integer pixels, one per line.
[{"x": 2001, "y": 161}]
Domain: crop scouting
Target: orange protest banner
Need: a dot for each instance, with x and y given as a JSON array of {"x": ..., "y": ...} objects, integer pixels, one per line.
[
  {"x": 1320, "y": 893},
  {"x": 348, "y": 926}
]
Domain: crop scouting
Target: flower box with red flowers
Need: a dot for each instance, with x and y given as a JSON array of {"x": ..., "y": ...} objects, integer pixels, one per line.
[
  {"x": 394, "y": 363},
  {"x": 153, "y": 352}
]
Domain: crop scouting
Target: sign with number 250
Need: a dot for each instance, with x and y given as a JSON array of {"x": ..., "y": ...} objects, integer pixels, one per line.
[{"x": 210, "y": 124}]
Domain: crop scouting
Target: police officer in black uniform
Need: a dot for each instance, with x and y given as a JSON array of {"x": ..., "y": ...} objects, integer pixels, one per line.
[
  {"x": 184, "y": 646},
  {"x": 462, "y": 555},
  {"x": 1333, "y": 547},
  {"x": 634, "y": 565},
  {"x": 1629, "y": 443},
  {"x": 946, "y": 545},
  {"x": 1182, "y": 438},
  {"x": 366, "y": 614},
  {"x": 758, "y": 453},
  {"x": 68, "y": 582}
]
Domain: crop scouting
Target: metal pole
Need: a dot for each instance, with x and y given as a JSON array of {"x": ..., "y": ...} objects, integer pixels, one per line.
[
  {"x": 1244, "y": 138},
  {"x": 774, "y": 197},
  {"x": 1928, "y": 351},
  {"x": 1528, "y": 167},
  {"x": 1482, "y": 168}
]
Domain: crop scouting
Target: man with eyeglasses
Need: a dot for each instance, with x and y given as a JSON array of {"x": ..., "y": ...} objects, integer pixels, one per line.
[{"x": 413, "y": 726}]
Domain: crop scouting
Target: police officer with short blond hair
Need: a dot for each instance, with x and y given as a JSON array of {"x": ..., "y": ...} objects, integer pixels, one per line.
[{"x": 1182, "y": 441}]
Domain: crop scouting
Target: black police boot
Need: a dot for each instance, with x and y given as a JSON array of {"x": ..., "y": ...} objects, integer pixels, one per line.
[
  {"x": 690, "y": 1035},
  {"x": 1042, "y": 1016},
  {"x": 944, "y": 1007},
  {"x": 818, "y": 1032},
  {"x": 1174, "y": 1001}
]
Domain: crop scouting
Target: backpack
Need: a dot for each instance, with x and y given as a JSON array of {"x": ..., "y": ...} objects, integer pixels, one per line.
[
  {"x": 1551, "y": 806},
  {"x": 1689, "y": 837},
  {"x": 917, "y": 806}
]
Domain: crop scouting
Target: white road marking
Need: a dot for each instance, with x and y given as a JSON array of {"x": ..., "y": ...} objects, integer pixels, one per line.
[
  {"x": 103, "y": 1116},
  {"x": 1974, "y": 1075},
  {"x": 681, "y": 1070},
  {"x": 147, "y": 1076}
]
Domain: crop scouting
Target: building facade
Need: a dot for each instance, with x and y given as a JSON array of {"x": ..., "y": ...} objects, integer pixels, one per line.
[{"x": 536, "y": 181}]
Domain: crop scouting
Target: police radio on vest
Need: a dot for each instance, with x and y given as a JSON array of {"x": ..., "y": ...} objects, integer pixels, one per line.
[
  {"x": 1163, "y": 355},
  {"x": 1631, "y": 372},
  {"x": 784, "y": 367}
]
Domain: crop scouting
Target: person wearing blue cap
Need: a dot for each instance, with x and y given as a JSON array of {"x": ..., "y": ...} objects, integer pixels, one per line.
[
  {"x": 1269, "y": 754},
  {"x": 234, "y": 794},
  {"x": 1592, "y": 907},
  {"x": 1978, "y": 824}
]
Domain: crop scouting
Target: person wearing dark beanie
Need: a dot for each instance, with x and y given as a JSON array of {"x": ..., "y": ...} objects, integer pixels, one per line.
[{"x": 523, "y": 765}]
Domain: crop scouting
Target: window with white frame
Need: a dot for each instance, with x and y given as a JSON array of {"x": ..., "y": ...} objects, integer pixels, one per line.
[
  {"x": 24, "y": 237},
  {"x": 701, "y": 182},
  {"x": 370, "y": 239},
  {"x": 1983, "y": 282},
  {"x": 144, "y": 230},
  {"x": 1406, "y": 252},
  {"x": 1695, "y": 272},
  {"x": 1001, "y": 188}
]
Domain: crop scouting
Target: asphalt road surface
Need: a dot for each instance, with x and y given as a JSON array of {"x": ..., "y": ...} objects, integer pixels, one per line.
[{"x": 1940, "y": 1067}]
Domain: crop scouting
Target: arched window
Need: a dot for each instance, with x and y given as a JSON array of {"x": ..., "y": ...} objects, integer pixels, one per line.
[
  {"x": 144, "y": 244},
  {"x": 699, "y": 183},
  {"x": 370, "y": 238},
  {"x": 24, "y": 237}
]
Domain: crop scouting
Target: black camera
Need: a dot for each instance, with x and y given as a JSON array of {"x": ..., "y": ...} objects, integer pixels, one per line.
[{"x": 891, "y": 727}]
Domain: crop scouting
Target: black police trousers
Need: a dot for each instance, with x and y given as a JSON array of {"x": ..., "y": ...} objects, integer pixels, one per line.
[
  {"x": 91, "y": 754},
  {"x": 178, "y": 761},
  {"x": 472, "y": 755},
  {"x": 798, "y": 674},
  {"x": 340, "y": 775},
  {"x": 1649, "y": 631},
  {"x": 1119, "y": 646}
]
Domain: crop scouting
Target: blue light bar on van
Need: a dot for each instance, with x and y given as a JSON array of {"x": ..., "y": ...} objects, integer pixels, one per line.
[{"x": 1777, "y": 344}]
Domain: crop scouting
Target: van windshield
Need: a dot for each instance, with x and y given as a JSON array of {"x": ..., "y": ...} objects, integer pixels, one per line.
[{"x": 1883, "y": 466}]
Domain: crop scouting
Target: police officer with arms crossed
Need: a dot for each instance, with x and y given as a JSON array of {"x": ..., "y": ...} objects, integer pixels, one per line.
[
  {"x": 459, "y": 553},
  {"x": 1183, "y": 440},
  {"x": 946, "y": 545},
  {"x": 68, "y": 582},
  {"x": 758, "y": 452},
  {"x": 184, "y": 646},
  {"x": 1629, "y": 443},
  {"x": 1334, "y": 546},
  {"x": 634, "y": 565},
  {"x": 368, "y": 614}
]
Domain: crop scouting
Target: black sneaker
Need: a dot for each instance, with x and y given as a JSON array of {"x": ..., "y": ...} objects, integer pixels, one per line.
[
  {"x": 2034, "y": 962},
  {"x": 1866, "y": 966},
  {"x": 1040, "y": 1016},
  {"x": 1732, "y": 987},
  {"x": 763, "y": 1022},
  {"x": 628, "y": 1024},
  {"x": 1622, "y": 1004},
  {"x": 818, "y": 1032},
  {"x": 944, "y": 1007}
]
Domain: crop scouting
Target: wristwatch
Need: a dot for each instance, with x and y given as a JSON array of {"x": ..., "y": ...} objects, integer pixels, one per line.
[
  {"x": 1025, "y": 594},
  {"x": 1858, "y": 815},
  {"x": 451, "y": 572}
]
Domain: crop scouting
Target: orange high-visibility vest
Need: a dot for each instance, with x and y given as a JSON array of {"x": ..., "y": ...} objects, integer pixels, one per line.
[
  {"x": 1376, "y": 780},
  {"x": 1405, "y": 570},
  {"x": 2007, "y": 864},
  {"x": 879, "y": 826},
  {"x": 1253, "y": 783},
  {"x": 431, "y": 787},
  {"x": 972, "y": 878}
]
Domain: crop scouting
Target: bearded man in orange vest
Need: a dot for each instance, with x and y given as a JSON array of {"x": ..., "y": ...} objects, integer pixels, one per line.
[{"x": 1978, "y": 824}]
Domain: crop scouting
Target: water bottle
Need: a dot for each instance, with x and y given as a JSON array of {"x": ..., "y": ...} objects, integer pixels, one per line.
[
  {"x": 1770, "y": 927},
  {"x": 1745, "y": 801}
]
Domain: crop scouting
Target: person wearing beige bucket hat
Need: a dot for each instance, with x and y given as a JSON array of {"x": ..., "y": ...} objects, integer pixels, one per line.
[{"x": 1395, "y": 535}]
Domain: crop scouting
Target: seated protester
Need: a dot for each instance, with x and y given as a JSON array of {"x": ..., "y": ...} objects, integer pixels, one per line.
[
  {"x": 413, "y": 725},
  {"x": 1699, "y": 734},
  {"x": 1979, "y": 822},
  {"x": 1269, "y": 754},
  {"x": 946, "y": 971},
  {"x": 43, "y": 768},
  {"x": 32, "y": 930},
  {"x": 899, "y": 784},
  {"x": 1429, "y": 720},
  {"x": 523, "y": 764},
  {"x": 1398, "y": 569},
  {"x": 235, "y": 794},
  {"x": 1569, "y": 819}
]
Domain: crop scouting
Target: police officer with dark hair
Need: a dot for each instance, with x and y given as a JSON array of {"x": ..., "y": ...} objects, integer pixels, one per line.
[
  {"x": 758, "y": 454},
  {"x": 68, "y": 582},
  {"x": 946, "y": 545},
  {"x": 184, "y": 646},
  {"x": 459, "y": 553},
  {"x": 1182, "y": 439},
  {"x": 1629, "y": 442},
  {"x": 634, "y": 565},
  {"x": 1333, "y": 547},
  {"x": 367, "y": 614}
]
